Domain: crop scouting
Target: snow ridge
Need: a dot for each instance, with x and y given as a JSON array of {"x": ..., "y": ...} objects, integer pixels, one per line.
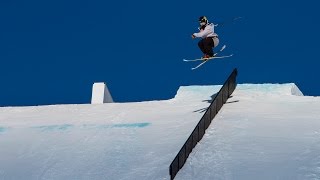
[
  {"x": 286, "y": 89},
  {"x": 203, "y": 91}
]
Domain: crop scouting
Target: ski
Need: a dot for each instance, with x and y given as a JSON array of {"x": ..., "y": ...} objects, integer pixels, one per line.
[
  {"x": 201, "y": 59},
  {"x": 206, "y": 60}
]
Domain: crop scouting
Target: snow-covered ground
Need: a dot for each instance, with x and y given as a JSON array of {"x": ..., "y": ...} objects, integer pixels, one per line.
[{"x": 265, "y": 131}]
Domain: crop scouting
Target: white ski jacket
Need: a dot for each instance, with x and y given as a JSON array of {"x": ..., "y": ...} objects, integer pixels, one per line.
[{"x": 208, "y": 31}]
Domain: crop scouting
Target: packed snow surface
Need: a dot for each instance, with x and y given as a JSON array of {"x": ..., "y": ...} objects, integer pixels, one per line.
[{"x": 264, "y": 131}]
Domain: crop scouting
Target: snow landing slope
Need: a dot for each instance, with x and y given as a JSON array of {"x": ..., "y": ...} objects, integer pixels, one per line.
[
  {"x": 264, "y": 131},
  {"x": 267, "y": 131}
]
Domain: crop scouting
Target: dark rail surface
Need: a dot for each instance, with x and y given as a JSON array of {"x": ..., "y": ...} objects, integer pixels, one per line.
[{"x": 198, "y": 132}]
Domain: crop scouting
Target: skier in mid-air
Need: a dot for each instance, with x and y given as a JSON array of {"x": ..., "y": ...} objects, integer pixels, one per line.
[{"x": 209, "y": 37}]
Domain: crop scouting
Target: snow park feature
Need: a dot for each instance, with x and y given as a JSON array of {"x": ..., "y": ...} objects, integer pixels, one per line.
[
  {"x": 100, "y": 94},
  {"x": 263, "y": 131}
]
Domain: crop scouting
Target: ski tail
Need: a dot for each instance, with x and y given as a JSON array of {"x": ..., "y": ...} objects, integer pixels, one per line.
[{"x": 222, "y": 48}]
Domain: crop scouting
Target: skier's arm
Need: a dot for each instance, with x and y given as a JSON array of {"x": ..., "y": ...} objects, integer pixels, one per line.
[{"x": 203, "y": 33}]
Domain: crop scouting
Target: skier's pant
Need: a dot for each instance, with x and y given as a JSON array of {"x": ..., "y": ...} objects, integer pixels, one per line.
[{"x": 206, "y": 46}]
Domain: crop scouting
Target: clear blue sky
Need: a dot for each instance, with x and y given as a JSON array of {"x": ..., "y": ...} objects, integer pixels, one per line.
[{"x": 53, "y": 51}]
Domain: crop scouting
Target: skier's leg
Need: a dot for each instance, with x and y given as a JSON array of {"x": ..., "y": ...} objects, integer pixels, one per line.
[
  {"x": 215, "y": 42},
  {"x": 202, "y": 45},
  {"x": 208, "y": 45}
]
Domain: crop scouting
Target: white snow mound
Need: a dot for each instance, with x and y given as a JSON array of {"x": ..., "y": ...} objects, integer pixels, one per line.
[{"x": 264, "y": 131}]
